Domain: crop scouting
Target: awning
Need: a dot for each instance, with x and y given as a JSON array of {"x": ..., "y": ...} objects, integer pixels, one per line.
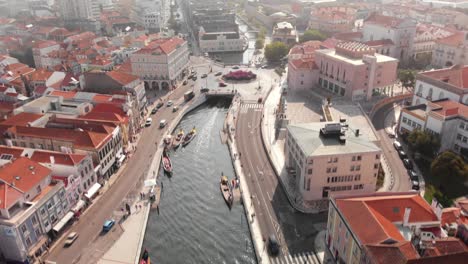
[
  {"x": 63, "y": 222},
  {"x": 150, "y": 182},
  {"x": 92, "y": 191},
  {"x": 78, "y": 206}
]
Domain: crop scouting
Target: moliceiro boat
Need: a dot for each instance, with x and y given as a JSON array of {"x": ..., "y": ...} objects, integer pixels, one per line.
[
  {"x": 189, "y": 137},
  {"x": 166, "y": 161},
  {"x": 178, "y": 139},
  {"x": 226, "y": 190}
]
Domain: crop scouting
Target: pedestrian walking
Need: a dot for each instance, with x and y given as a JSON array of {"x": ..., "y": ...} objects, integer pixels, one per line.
[
  {"x": 157, "y": 208},
  {"x": 162, "y": 185}
]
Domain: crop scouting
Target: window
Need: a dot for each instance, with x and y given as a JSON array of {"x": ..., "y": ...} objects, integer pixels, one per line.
[
  {"x": 358, "y": 167},
  {"x": 405, "y": 119},
  {"x": 24, "y": 229},
  {"x": 38, "y": 232},
  {"x": 328, "y": 170},
  {"x": 334, "y": 169},
  {"x": 359, "y": 157},
  {"x": 377, "y": 156},
  {"x": 82, "y": 174},
  {"x": 376, "y": 166},
  {"x": 308, "y": 184},
  {"x": 38, "y": 188},
  {"x": 330, "y": 160},
  {"x": 352, "y": 168},
  {"x": 310, "y": 162},
  {"x": 353, "y": 158},
  {"x": 34, "y": 220},
  {"x": 335, "y": 160},
  {"x": 357, "y": 177},
  {"x": 28, "y": 242}
]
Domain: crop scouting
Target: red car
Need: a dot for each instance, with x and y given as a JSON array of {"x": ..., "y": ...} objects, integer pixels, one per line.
[{"x": 221, "y": 84}]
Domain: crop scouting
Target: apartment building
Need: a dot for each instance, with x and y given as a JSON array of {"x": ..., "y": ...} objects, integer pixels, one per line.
[
  {"x": 355, "y": 71},
  {"x": 162, "y": 63},
  {"x": 328, "y": 159},
  {"x": 41, "y": 50},
  {"x": 33, "y": 208},
  {"x": 302, "y": 70},
  {"x": 389, "y": 228},
  {"x": 285, "y": 32},
  {"x": 451, "y": 50}
]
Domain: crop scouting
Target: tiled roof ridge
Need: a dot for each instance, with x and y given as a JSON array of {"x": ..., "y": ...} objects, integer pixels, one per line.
[{"x": 374, "y": 212}]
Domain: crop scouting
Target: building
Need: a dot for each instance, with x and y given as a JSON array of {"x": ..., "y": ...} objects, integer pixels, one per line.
[
  {"x": 76, "y": 171},
  {"x": 302, "y": 70},
  {"x": 451, "y": 50},
  {"x": 449, "y": 83},
  {"x": 355, "y": 71},
  {"x": 389, "y": 228},
  {"x": 400, "y": 31},
  {"x": 332, "y": 21},
  {"x": 15, "y": 75},
  {"x": 33, "y": 208},
  {"x": 425, "y": 40},
  {"x": 446, "y": 119},
  {"x": 41, "y": 50},
  {"x": 162, "y": 63},
  {"x": 285, "y": 32},
  {"x": 152, "y": 15},
  {"x": 330, "y": 159}
]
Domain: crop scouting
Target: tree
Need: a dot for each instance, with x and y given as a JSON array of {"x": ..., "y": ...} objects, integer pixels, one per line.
[
  {"x": 424, "y": 142},
  {"x": 259, "y": 43},
  {"x": 407, "y": 78},
  {"x": 313, "y": 34},
  {"x": 449, "y": 168},
  {"x": 275, "y": 51}
]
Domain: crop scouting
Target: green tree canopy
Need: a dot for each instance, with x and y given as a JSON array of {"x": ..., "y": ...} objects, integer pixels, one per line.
[
  {"x": 407, "y": 77},
  {"x": 275, "y": 51},
  {"x": 259, "y": 43},
  {"x": 313, "y": 34},
  {"x": 424, "y": 142},
  {"x": 450, "y": 168}
]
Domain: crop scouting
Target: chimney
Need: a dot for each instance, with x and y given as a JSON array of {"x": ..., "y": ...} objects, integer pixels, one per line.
[{"x": 406, "y": 216}]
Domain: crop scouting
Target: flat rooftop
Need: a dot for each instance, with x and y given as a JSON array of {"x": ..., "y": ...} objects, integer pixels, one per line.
[{"x": 332, "y": 53}]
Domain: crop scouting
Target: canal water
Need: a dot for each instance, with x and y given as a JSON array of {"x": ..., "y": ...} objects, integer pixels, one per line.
[{"x": 195, "y": 224}]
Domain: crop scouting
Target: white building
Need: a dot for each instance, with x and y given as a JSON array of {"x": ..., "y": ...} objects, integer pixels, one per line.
[
  {"x": 151, "y": 14},
  {"x": 451, "y": 50},
  {"x": 221, "y": 41},
  {"x": 330, "y": 160},
  {"x": 79, "y": 9},
  {"x": 42, "y": 54},
  {"x": 425, "y": 39},
  {"x": 161, "y": 63},
  {"x": 400, "y": 31}
]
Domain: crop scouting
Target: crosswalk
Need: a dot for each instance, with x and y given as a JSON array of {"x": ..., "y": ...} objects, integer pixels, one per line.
[
  {"x": 253, "y": 106},
  {"x": 300, "y": 258}
]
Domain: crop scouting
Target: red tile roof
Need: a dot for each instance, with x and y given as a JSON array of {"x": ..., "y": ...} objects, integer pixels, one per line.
[
  {"x": 382, "y": 20},
  {"x": 121, "y": 77},
  {"x": 166, "y": 46},
  {"x": 42, "y": 156},
  {"x": 453, "y": 215},
  {"x": 306, "y": 63},
  {"x": 40, "y": 75},
  {"x": 456, "y": 76},
  {"x": 14, "y": 151},
  {"x": 24, "y": 173},
  {"x": 21, "y": 119},
  {"x": 64, "y": 94},
  {"x": 454, "y": 40},
  {"x": 330, "y": 43},
  {"x": 9, "y": 195},
  {"x": 399, "y": 252},
  {"x": 371, "y": 218},
  {"x": 447, "y": 108},
  {"x": 308, "y": 47},
  {"x": 444, "y": 246},
  {"x": 40, "y": 44}
]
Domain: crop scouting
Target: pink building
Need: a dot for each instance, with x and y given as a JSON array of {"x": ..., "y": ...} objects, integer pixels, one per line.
[
  {"x": 354, "y": 70},
  {"x": 302, "y": 70}
]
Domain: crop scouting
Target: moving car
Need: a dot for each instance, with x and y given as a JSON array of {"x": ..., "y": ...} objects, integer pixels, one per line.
[
  {"x": 235, "y": 67},
  {"x": 204, "y": 90},
  {"x": 397, "y": 145},
  {"x": 204, "y": 75},
  {"x": 162, "y": 123},
  {"x": 221, "y": 84},
  {"x": 408, "y": 164},
  {"x": 175, "y": 109},
  {"x": 70, "y": 239},
  {"x": 108, "y": 224},
  {"x": 415, "y": 185},
  {"x": 169, "y": 103},
  {"x": 218, "y": 73},
  {"x": 159, "y": 105},
  {"x": 402, "y": 154},
  {"x": 148, "y": 122},
  {"x": 273, "y": 245},
  {"x": 185, "y": 82},
  {"x": 154, "y": 111}
]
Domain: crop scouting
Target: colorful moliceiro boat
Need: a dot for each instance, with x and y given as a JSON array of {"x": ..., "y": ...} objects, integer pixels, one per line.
[
  {"x": 226, "y": 190},
  {"x": 189, "y": 137},
  {"x": 145, "y": 259},
  {"x": 178, "y": 139},
  {"x": 166, "y": 161}
]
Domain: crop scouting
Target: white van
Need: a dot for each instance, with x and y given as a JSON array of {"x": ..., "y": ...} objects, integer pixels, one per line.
[{"x": 163, "y": 123}]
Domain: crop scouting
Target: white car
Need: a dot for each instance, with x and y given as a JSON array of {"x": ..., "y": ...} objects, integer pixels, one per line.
[
  {"x": 70, "y": 239},
  {"x": 169, "y": 103},
  {"x": 148, "y": 122}
]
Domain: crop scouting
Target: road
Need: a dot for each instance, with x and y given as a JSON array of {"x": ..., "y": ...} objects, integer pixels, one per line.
[
  {"x": 91, "y": 245},
  {"x": 295, "y": 231},
  {"x": 402, "y": 181}
]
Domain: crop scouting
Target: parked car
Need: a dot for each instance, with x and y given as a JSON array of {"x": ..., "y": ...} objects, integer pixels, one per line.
[
  {"x": 235, "y": 67},
  {"x": 148, "y": 122},
  {"x": 108, "y": 224},
  {"x": 204, "y": 90},
  {"x": 402, "y": 154},
  {"x": 169, "y": 103},
  {"x": 159, "y": 105},
  {"x": 194, "y": 78},
  {"x": 413, "y": 175},
  {"x": 154, "y": 111},
  {"x": 408, "y": 164},
  {"x": 71, "y": 239},
  {"x": 175, "y": 109},
  {"x": 415, "y": 185},
  {"x": 397, "y": 145},
  {"x": 273, "y": 246},
  {"x": 162, "y": 123},
  {"x": 185, "y": 82},
  {"x": 218, "y": 73},
  {"x": 204, "y": 75},
  {"x": 221, "y": 84}
]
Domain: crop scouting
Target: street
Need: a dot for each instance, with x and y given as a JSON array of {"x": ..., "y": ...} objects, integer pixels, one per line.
[
  {"x": 295, "y": 231},
  {"x": 399, "y": 172},
  {"x": 91, "y": 244}
]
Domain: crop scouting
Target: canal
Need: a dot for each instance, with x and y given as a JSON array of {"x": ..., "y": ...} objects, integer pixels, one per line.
[{"x": 195, "y": 224}]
